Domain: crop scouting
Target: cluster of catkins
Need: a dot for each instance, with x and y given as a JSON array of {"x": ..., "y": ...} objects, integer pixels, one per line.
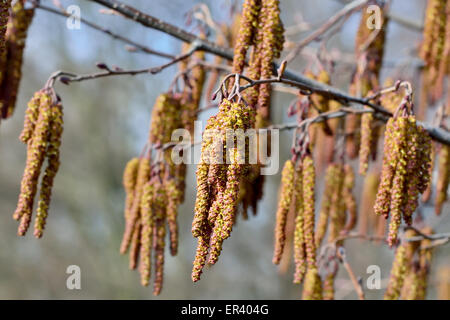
[
  {"x": 362, "y": 137},
  {"x": 12, "y": 44},
  {"x": 435, "y": 49},
  {"x": 154, "y": 190},
  {"x": 219, "y": 173},
  {"x": 261, "y": 30},
  {"x": 297, "y": 192},
  {"x": 405, "y": 172},
  {"x": 42, "y": 132},
  {"x": 410, "y": 269}
]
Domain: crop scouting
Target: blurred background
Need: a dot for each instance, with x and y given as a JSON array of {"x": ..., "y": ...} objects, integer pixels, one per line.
[{"x": 106, "y": 123}]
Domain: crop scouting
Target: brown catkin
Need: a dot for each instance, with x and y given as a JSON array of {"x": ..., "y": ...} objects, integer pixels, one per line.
[
  {"x": 4, "y": 13},
  {"x": 443, "y": 178},
  {"x": 337, "y": 210},
  {"x": 299, "y": 235},
  {"x": 366, "y": 142},
  {"x": 143, "y": 175},
  {"x": 443, "y": 276},
  {"x": 159, "y": 233},
  {"x": 173, "y": 195},
  {"x": 16, "y": 34},
  {"x": 286, "y": 196},
  {"x": 327, "y": 201},
  {"x": 135, "y": 246},
  {"x": 349, "y": 199},
  {"x": 367, "y": 218}
]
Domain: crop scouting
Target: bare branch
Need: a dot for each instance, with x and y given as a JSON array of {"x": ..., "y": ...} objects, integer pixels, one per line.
[
  {"x": 116, "y": 36},
  {"x": 344, "y": 12}
]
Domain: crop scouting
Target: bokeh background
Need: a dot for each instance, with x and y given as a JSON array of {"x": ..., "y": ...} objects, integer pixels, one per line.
[{"x": 106, "y": 123}]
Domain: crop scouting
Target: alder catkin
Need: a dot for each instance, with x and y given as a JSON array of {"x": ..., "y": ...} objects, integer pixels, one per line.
[
  {"x": 16, "y": 34},
  {"x": 286, "y": 196},
  {"x": 443, "y": 178},
  {"x": 299, "y": 235},
  {"x": 52, "y": 154},
  {"x": 35, "y": 158},
  {"x": 309, "y": 209}
]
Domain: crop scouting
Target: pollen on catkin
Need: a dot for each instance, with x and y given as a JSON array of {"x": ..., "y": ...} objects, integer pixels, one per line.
[
  {"x": 218, "y": 181},
  {"x": 42, "y": 132},
  {"x": 405, "y": 172},
  {"x": 284, "y": 204}
]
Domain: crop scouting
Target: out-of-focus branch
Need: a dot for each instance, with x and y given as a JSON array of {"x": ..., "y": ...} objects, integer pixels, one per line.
[
  {"x": 346, "y": 11},
  {"x": 289, "y": 77},
  {"x": 410, "y": 24},
  {"x": 133, "y": 44}
]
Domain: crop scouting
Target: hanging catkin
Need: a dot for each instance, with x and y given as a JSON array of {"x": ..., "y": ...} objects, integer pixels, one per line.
[
  {"x": 284, "y": 204},
  {"x": 369, "y": 51},
  {"x": 402, "y": 261},
  {"x": 11, "y": 62},
  {"x": 42, "y": 132},
  {"x": 218, "y": 182},
  {"x": 405, "y": 171},
  {"x": 299, "y": 233},
  {"x": 443, "y": 178},
  {"x": 433, "y": 45},
  {"x": 4, "y": 13}
]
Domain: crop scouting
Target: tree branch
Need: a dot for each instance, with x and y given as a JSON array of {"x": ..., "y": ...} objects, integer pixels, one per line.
[
  {"x": 290, "y": 77},
  {"x": 346, "y": 11},
  {"x": 116, "y": 36}
]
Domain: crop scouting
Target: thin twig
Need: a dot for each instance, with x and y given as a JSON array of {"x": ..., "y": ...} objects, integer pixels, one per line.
[
  {"x": 116, "y": 36},
  {"x": 344, "y": 12},
  {"x": 356, "y": 283}
]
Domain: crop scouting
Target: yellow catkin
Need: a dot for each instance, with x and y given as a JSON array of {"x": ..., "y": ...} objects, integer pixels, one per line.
[
  {"x": 286, "y": 196},
  {"x": 146, "y": 236},
  {"x": 53, "y": 155},
  {"x": 402, "y": 264},
  {"x": 397, "y": 274},
  {"x": 129, "y": 183},
  {"x": 35, "y": 157},
  {"x": 309, "y": 209},
  {"x": 312, "y": 288}
]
